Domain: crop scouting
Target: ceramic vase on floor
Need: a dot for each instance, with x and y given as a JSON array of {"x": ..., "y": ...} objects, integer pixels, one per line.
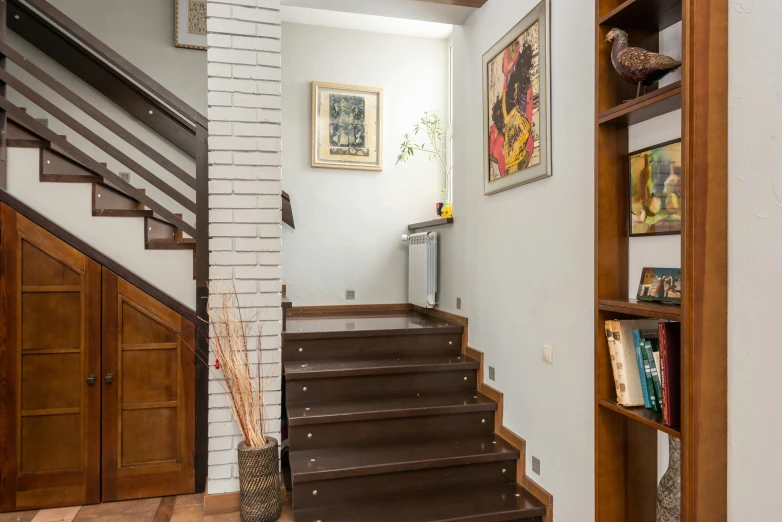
[
  {"x": 259, "y": 482},
  {"x": 669, "y": 492}
]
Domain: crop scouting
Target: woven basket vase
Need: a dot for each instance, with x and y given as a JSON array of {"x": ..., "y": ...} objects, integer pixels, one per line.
[{"x": 259, "y": 482}]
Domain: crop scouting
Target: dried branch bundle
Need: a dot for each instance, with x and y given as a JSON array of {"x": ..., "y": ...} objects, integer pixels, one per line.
[{"x": 244, "y": 380}]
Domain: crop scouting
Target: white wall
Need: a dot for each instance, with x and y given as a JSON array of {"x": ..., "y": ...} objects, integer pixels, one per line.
[
  {"x": 755, "y": 251},
  {"x": 522, "y": 260},
  {"x": 348, "y": 223},
  {"x": 143, "y": 32}
]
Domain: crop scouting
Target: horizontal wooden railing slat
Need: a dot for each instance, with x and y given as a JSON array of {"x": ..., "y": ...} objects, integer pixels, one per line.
[
  {"x": 13, "y": 82},
  {"x": 97, "y": 115},
  {"x": 24, "y": 119},
  {"x": 106, "y": 53}
]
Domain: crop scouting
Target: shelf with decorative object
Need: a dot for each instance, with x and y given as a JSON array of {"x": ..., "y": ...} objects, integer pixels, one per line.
[{"x": 626, "y": 438}]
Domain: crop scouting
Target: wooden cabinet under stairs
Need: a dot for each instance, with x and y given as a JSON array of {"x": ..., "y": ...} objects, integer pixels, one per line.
[{"x": 386, "y": 424}]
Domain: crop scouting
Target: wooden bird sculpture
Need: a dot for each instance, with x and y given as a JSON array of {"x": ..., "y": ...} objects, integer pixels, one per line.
[{"x": 638, "y": 66}]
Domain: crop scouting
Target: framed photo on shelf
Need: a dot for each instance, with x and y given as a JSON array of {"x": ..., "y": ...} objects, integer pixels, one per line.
[
  {"x": 516, "y": 110},
  {"x": 663, "y": 285},
  {"x": 656, "y": 190},
  {"x": 347, "y": 127},
  {"x": 190, "y": 24}
]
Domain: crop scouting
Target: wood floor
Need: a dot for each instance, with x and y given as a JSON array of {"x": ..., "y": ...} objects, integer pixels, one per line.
[{"x": 184, "y": 508}]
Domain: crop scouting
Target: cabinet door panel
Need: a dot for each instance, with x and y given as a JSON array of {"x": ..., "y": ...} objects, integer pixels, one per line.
[
  {"x": 149, "y": 405},
  {"x": 50, "y": 300}
]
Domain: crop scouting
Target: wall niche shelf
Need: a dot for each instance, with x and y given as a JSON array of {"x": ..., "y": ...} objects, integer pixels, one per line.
[
  {"x": 644, "y": 15},
  {"x": 650, "y": 105},
  {"x": 643, "y": 415},
  {"x": 626, "y": 439}
]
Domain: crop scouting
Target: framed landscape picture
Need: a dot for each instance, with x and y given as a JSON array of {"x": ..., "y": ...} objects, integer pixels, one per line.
[
  {"x": 516, "y": 113},
  {"x": 656, "y": 190},
  {"x": 347, "y": 127},
  {"x": 190, "y": 24},
  {"x": 663, "y": 285}
]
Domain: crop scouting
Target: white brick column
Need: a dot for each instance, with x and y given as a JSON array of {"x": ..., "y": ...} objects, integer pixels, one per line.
[{"x": 244, "y": 197}]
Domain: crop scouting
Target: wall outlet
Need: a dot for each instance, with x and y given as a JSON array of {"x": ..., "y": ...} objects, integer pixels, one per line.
[
  {"x": 491, "y": 373},
  {"x": 350, "y": 295},
  {"x": 458, "y": 303},
  {"x": 535, "y": 465},
  {"x": 548, "y": 354}
]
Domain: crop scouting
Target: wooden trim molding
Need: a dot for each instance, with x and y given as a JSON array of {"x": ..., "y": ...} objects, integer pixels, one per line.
[{"x": 511, "y": 438}]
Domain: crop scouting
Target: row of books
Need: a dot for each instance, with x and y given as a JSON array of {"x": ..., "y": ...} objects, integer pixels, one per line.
[{"x": 645, "y": 356}]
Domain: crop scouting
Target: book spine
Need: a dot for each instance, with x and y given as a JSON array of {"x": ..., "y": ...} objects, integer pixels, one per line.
[
  {"x": 655, "y": 375},
  {"x": 648, "y": 372},
  {"x": 641, "y": 370},
  {"x": 612, "y": 354},
  {"x": 664, "y": 382}
]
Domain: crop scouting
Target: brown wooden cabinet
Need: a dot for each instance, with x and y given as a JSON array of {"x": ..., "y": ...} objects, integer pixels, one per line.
[{"x": 97, "y": 395}]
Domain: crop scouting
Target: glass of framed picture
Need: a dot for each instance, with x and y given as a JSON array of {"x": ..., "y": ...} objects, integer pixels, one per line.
[
  {"x": 347, "y": 126},
  {"x": 656, "y": 190}
]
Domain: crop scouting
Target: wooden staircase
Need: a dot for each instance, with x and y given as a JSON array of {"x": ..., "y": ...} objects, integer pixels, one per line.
[{"x": 385, "y": 424}]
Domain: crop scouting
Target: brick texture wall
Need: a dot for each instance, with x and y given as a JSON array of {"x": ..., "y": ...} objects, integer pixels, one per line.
[{"x": 244, "y": 198}]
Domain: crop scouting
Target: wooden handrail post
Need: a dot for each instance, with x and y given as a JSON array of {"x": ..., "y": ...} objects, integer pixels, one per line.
[
  {"x": 3, "y": 115},
  {"x": 202, "y": 296}
]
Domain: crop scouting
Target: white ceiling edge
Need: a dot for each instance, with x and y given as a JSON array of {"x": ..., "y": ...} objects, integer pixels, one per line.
[
  {"x": 409, "y": 9},
  {"x": 365, "y": 22}
]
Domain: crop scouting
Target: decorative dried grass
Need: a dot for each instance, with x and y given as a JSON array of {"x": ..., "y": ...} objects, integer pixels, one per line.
[{"x": 244, "y": 381}]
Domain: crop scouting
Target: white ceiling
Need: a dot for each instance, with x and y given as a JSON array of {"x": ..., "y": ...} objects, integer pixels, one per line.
[{"x": 406, "y": 9}]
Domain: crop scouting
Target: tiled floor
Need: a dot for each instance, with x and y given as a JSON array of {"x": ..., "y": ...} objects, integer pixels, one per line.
[{"x": 185, "y": 508}]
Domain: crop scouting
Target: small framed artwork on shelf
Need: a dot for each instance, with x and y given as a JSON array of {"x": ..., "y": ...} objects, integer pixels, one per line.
[
  {"x": 663, "y": 285},
  {"x": 656, "y": 190}
]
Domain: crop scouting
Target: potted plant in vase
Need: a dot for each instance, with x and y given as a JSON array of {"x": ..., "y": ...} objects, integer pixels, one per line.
[
  {"x": 435, "y": 141},
  {"x": 245, "y": 383}
]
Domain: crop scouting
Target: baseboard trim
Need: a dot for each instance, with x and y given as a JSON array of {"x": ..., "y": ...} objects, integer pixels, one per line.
[
  {"x": 511, "y": 438},
  {"x": 229, "y": 502}
]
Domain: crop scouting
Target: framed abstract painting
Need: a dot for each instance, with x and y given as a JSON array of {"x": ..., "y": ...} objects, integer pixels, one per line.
[
  {"x": 347, "y": 127},
  {"x": 656, "y": 190},
  {"x": 516, "y": 110},
  {"x": 190, "y": 24}
]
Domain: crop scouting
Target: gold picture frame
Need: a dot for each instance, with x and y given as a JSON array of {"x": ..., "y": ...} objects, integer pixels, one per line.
[
  {"x": 190, "y": 24},
  {"x": 347, "y": 127}
]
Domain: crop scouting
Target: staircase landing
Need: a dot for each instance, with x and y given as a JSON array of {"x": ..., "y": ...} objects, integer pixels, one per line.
[{"x": 386, "y": 423}]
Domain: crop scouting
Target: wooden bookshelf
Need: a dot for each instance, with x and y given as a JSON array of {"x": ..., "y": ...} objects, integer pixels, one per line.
[{"x": 626, "y": 438}]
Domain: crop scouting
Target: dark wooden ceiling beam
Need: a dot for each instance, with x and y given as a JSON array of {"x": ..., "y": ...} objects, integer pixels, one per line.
[{"x": 477, "y": 4}]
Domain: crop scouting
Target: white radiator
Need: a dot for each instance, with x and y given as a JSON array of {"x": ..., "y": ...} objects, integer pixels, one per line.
[{"x": 422, "y": 274}]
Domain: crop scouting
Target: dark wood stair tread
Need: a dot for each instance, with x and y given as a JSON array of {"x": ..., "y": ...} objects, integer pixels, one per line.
[
  {"x": 329, "y": 325},
  {"x": 331, "y": 463},
  {"x": 508, "y": 502},
  {"x": 384, "y": 408},
  {"x": 345, "y": 368}
]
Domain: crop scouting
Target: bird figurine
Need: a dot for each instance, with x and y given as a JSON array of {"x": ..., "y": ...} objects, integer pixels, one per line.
[{"x": 638, "y": 66}]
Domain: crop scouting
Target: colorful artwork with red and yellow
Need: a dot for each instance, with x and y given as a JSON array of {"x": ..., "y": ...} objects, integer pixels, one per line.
[{"x": 514, "y": 106}]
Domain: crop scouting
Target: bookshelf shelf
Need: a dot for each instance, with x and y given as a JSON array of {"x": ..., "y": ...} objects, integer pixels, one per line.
[
  {"x": 643, "y": 415},
  {"x": 641, "y": 308},
  {"x": 646, "y": 15},
  {"x": 656, "y": 103},
  {"x": 627, "y": 439}
]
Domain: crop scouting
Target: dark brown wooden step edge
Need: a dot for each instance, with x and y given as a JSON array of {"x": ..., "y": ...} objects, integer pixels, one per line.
[
  {"x": 303, "y": 414},
  {"x": 506, "y": 503},
  {"x": 348, "y": 368},
  {"x": 335, "y": 463}
]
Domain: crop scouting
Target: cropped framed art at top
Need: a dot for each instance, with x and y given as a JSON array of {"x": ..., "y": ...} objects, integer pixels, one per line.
[
  {"x": 190, "y": 24},
  {"x": 347, "y": 127},
  {"x": 516, "y": 110}
]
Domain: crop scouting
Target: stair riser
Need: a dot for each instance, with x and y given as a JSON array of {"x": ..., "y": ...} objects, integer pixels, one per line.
[
  {"x": 360, "y": 347},
  {"x": 380, "y": 386},
  {"x": 349, "y": 490},
  {"x": 341, "y": 434}
]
